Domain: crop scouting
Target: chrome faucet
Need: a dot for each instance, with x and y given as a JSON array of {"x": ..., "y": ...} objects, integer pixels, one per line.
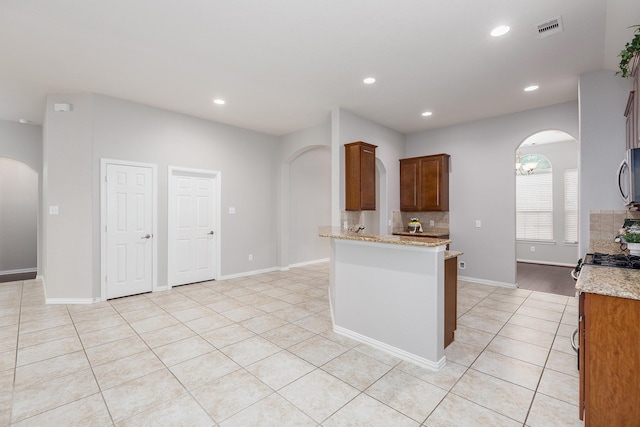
[{"x": 356, "y": 228}]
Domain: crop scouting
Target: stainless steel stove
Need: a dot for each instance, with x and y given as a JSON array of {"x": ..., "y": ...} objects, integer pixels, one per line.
[{"x": 613, "y": 260}]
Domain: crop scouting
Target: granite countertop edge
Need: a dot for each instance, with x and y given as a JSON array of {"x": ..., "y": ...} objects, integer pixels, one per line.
[
  {"x": 340, "y": 233},
  {"x": 426, "y": 232},
  {"x": 452, "y": 254},
  {"x": 609, "y": 281}
]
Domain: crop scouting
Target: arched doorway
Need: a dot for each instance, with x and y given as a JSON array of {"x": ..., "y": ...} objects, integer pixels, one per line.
[
  {"x": 308, "y": 205},
  {"x": 546, "y": 175},
  {"x": 18, "y": 220}
]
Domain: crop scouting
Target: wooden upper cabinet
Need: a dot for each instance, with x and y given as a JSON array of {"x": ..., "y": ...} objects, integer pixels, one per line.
[
  {"x": 424, "y": 183},
  {"x": 632, "y": 111},
  {"x": 636, "y": 105},
  {"x": 409, "y": 178},
  {"x": 360, "y": 176}
]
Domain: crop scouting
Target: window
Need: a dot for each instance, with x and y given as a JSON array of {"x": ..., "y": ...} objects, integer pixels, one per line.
[
  {"x": 534, "y": 199},
  {"x": 571, "y": 206}
]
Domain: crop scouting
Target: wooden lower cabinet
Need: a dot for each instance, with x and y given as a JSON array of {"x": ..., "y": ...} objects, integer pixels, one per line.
[
  {"x": 609, "y": 360},
  {"x": 450, "y": 299}
]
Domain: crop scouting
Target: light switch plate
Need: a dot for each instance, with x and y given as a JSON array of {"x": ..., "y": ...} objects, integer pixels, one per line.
[
  {"x": 478, "y": 223},
  {"x": 54, "y": 210},
  {"x": 232, "y": 211}
]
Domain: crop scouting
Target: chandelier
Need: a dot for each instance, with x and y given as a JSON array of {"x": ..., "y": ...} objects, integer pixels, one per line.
[{"x": 526, "y": 167}]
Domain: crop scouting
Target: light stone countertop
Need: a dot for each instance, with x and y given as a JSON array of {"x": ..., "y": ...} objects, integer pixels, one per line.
[
  {"x": 611, "y": 281},
  {"x": 452, "y": 254},
  {"x": 340, "y": 233}
]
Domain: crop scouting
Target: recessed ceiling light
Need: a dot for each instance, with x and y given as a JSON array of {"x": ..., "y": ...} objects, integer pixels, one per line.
[
  {"x": 531, "y": 88},
  {"x": 369, "y": 81},
  {"x": 427, "y": 114},
  {"x": 24, "y": 121},
  {"x": 500, "y": 31},
  {"x": 219, "y": 101}
]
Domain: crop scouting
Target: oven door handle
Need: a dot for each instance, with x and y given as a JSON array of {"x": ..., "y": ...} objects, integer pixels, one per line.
[
  {"x": 574, "y": 275},
  {"x": 573, "y": 340}
]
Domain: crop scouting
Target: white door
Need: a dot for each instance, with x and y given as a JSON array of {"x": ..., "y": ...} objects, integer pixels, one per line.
[
  {"x": 129, "y": 230},
  {"x": 194, "y": 235}
]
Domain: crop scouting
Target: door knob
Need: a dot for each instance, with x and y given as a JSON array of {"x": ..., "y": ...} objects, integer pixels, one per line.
[
  {"x": 210, "y": 233},
  {"x": 148, "y": 236}
]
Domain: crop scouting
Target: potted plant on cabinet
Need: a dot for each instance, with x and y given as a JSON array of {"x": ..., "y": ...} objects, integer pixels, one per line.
[{"x": 631, "y": 50}]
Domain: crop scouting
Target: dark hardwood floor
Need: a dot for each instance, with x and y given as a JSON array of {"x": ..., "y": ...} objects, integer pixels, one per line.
[
  {"x": 546, "y": 278},
  {"x": 17, "y": 277}
]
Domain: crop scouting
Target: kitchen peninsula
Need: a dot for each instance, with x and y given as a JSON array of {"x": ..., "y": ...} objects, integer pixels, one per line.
[{"x": 388, "y": 292}]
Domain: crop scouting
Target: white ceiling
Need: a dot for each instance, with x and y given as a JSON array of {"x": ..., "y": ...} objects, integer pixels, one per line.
[{"x": 282, "y": 65}]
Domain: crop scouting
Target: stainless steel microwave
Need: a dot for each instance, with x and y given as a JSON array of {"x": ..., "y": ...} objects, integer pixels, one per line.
[{"x": 629, "y": 177}]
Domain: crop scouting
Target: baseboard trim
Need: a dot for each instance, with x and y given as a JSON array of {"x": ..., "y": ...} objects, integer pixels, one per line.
[
  {"x": 394, "y": 351},
  {"x": 558, "y": 264},
  {"x": 248, "y": 273},
  {"x": 72, "y": 300},
  {"x": 305, "y": 263},
  {"x": 18, "y": 271},
  {"x": 488, "y": 282},
  {"x": 272, "y": 269}
]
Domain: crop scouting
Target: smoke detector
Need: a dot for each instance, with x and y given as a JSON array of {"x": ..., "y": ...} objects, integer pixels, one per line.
[{"x": 550, "y": 27}]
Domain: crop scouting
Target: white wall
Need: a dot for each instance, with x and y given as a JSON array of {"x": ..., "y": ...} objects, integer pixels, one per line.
[
  {"x": 562, "y": 155},
  {"x": 482, "y": 184},
  {"x": 24, "y": 143},
  {"x": 310, "y": 205},
  {"x": 104, "y": 127},
  {"x": 68, "y": 246},
  {"x": 603, "y": 98},
  {"x": 18, "y": 216},
  {"x": 350, "y": 128},
  {"x": 306, "y": 143}
]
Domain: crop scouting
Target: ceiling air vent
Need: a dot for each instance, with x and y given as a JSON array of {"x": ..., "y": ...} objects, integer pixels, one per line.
[{"x": 550, "y": 27}]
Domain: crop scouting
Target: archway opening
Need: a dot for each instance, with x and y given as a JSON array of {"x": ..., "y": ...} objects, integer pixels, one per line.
[
  {"x": 546, "y": 178},
  {"x": 18, "y": 221}
]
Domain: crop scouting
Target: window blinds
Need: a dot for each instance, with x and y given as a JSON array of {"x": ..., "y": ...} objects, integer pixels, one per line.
[{"x": 534, "y": 206}]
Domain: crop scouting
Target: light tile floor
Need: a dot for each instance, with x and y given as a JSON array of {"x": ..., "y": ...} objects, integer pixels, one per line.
[{"x": 259, "y": 351}]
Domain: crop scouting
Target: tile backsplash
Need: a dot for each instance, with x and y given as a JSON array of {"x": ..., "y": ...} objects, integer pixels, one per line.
[
  {"x": 401, "y": 219},
  {"x": 604, "y": 227},
  {"x": 352, "y": 218}
]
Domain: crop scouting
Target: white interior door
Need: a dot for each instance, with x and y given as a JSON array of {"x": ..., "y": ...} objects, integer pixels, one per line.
[
  {"x": 129, "y": 230},
  {"x": 193, "y": 222}
]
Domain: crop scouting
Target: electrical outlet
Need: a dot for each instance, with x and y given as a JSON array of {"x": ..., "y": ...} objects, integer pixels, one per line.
[
  {"x": 431, "y": 223},
  {"x": 462, "y": 265},
  {"x": 533, "y": 248},
  {"x": 345, "y": 225},
  {"x": 250, "y": 257}
]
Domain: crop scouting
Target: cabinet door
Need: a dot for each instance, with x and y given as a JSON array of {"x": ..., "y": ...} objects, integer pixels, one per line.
[
  {"x": 611, "y": 361},
  {"x": 635, "y": 116},
  {"x": 581, "y": 352},
  {"x": 434, "y": 183},
  {"x": 636, "y": 112},
  {"x": 632, "y": 120},
  {"x": 367, "y": 178},
  {"x": 450, "y": 299},
  {"x": 409, "y": 184},
  {"x": 360, "y": 176}
]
